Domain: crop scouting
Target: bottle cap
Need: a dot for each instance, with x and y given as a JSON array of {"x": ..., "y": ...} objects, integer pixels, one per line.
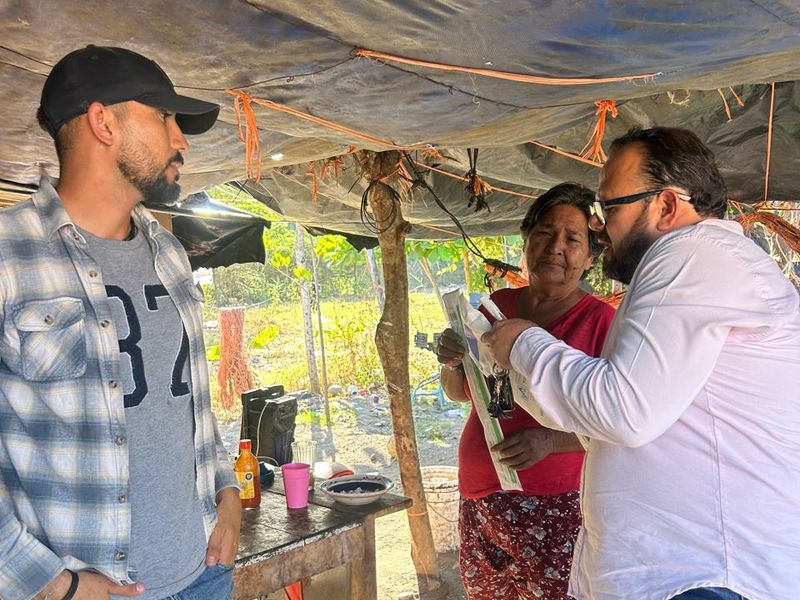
[{"x": 245, "y": 444}]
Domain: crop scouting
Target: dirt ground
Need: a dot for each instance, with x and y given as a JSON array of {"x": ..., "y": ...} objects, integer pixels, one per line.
[{"x": 360, "y": 438}]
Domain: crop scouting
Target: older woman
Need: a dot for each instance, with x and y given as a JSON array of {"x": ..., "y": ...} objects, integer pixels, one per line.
[{"x": 519, "y": 544}]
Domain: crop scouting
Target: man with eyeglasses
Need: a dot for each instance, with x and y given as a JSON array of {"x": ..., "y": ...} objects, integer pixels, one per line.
[{"x": 691, "y": 483}]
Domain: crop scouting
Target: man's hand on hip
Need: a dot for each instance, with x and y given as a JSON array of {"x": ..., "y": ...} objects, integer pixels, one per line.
[
  {"x": 502, "y": 337},
  {"x": 91, "y": 586},
  {"x": 223, "y": 544}
]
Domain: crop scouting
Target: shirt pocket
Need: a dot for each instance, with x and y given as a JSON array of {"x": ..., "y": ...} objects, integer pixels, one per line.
[{"x": 52, "y": 339}]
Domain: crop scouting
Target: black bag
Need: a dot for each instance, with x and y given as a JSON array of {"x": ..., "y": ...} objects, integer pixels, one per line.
[{"x": 268, "y": 419}]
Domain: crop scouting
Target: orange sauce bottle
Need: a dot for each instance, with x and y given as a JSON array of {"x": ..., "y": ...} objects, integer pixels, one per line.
[{"x": 247, "y": 473}]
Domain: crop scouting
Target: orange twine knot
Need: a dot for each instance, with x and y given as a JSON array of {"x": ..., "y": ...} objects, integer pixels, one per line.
[
  {"x": 514, "y": 278},
  {"x": 593, "y": 149},
  {"x": 334, "y": 165},
  {"x": 312, "y": 172},
  {"x": 243, "y": 102},
  {"x": 431, "y": 153}
]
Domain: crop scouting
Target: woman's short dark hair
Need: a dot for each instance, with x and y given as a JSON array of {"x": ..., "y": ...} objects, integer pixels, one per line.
[
  {"x": 675, "y": 157},
  {"x": 571, "y": 194}
]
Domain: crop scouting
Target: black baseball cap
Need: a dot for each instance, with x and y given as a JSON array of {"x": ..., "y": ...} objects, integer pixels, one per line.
[{"x": 111, "y": 75}]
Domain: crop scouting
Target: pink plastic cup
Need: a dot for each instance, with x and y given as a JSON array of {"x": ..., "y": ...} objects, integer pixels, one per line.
[{"x": 295, "y": 483}]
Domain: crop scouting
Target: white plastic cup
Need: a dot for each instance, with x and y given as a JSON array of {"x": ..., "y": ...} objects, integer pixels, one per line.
[{"x": 306, "y": 452}]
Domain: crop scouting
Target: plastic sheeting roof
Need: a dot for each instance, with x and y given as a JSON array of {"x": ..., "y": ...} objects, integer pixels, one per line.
[{"x": 301, "y": 55}]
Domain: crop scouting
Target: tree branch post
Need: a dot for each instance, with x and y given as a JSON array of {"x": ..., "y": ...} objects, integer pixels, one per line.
[{"x": 392, "y": 341}]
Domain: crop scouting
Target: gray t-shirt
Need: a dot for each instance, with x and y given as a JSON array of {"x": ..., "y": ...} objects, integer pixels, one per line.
[{"x": 168, "y": 541}]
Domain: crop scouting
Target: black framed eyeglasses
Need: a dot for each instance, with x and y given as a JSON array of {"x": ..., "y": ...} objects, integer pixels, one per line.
[{"x": 598, "y": 207}]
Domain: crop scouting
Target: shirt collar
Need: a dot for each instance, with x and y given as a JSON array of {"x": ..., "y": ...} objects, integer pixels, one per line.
[{"x": 51, "y": 211}]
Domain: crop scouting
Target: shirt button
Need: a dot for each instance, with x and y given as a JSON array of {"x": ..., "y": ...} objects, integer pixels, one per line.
[
  {"x": 48, "y": 319},
  {"x": 122, "y": 499},
  {"x": 76, "y": 237},
  {"x": 105, "y": 323},
  {"x": 120, "y": 555},
  {"x": 119, "y": 440},
  {"x": 113, "y": 384},
  {"x": 92, "y": 273}
]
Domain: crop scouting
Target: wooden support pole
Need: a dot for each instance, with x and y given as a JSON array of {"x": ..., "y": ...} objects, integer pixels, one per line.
[{"x": 392, "y": 340}]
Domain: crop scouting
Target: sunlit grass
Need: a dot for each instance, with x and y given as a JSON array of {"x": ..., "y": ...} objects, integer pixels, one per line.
[{"x": 350, "y": 352}]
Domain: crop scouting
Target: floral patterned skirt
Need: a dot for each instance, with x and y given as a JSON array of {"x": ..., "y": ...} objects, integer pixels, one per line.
[{"x": 518, "y": 546}]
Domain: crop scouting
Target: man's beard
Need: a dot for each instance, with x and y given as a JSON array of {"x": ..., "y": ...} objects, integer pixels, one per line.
[
  {"x": 621, "y": 263},
  {"x": 155, "y": 189}
]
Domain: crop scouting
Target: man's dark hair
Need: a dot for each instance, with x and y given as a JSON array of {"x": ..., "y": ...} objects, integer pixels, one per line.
[
  {"x": 62, "y": 137},
  {"x": 675, "y": 157},
  {"x": 569, "y": 193}
]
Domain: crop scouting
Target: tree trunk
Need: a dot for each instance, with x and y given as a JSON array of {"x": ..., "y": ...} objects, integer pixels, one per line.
[
  {"x": 372, "y": 269},
  {"x": 426, "y": 267},
  {"x": 318, "y": 301},
  {"x": 392, "y": 340},
  {"x": 305, "y": 300},
  {"x": 467, "y": 272}
]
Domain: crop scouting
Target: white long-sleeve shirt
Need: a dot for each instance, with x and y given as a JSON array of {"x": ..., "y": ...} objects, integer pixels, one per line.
[{"x": 692, "y": 473}]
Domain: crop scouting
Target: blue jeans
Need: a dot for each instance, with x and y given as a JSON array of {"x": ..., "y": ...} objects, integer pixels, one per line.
[
  {"x": 215, "y": 583},
  {"x": 709, "y": 594}
]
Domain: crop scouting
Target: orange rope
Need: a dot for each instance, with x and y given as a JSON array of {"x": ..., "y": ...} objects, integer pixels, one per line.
[
  {"x": 725, "y": 104},
  {"x": 512, "y": 277},
  {"x": 251, "y": 142},
  {"x": 594, "y": 147},
  {"x": 769, "y": 143},
  {"x": 520, "y": 77},
  {"x": 431, "y": 153},
  {"x": 312, "y": 172},
  {"x": 334, "y": 164},
  {"x": 738, "y": 100},
  {"x": 577, "y": 157},
  {"x": 434, "y": 228},
  {"x": 244, "y": 101},
  {"x": 461, "y": 177}
]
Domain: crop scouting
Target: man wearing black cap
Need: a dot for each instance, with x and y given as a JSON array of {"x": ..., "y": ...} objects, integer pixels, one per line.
[{"x": 113, "y": 478}]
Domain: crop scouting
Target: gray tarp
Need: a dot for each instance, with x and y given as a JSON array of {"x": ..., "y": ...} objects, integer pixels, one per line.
[{"x": 300, "y": 54}]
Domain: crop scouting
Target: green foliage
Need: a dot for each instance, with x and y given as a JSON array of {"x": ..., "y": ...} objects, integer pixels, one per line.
[
  {"x": 601, "y": 286},
  {"x": 438, "y": 438},
  {"x": 447, "y": 263},
  {"x": 302, "y": 273},
  {"x": 443, "y": 251},
  {"x": 280, "y": 260},
  {"x": 349, "y": 329},
  {"x": 213, "y": 353},
  {"x": 349, "y": 333},
  {"x": 340, "y": 413},
  {"x": 247, "y": 284},
  {"x": 342, "y": 270},
  {"x": 264, "y": 337}
]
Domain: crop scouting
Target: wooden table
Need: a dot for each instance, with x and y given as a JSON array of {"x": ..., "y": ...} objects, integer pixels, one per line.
[{"x": 279, "y": 546}]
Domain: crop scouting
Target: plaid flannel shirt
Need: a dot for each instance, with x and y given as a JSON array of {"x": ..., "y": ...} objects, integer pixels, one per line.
[{"x": 63, "y": 447}]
